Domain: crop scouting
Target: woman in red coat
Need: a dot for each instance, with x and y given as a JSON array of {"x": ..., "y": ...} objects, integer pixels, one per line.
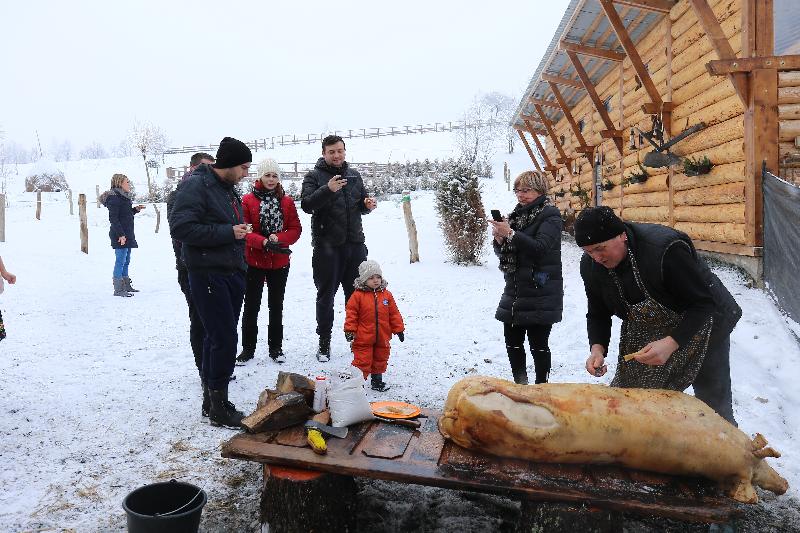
[{"x": 276, "y": 226}]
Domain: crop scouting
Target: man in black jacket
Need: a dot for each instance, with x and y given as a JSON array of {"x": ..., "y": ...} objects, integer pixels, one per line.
[
  {"x": 207, "y": 219},
  {"x": 676, "y": 314},
  {"x": 334, "y": 195},
  {"x": 196, "y": 331}
]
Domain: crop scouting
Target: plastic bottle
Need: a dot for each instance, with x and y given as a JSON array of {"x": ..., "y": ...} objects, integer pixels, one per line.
[{"x": 320, "y": 394}]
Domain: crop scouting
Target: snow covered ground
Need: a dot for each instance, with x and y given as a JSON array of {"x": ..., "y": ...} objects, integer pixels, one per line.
[{"x": 99, "y": 395}]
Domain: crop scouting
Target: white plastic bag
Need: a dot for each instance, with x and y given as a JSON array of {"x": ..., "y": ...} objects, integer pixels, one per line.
[{"x": 347, "y": 399}]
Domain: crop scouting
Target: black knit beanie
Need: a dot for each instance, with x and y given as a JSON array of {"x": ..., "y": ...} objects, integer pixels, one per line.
[
  {"x": 232, "y": 152},
  {"x": 597, "y": 224}
]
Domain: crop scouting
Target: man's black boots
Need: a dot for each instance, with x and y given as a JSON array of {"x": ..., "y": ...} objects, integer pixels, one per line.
[
  {"x": 206, "y": 407},
  {"x": 223, "y": 413},
  {"x": 324, "y": 352}
]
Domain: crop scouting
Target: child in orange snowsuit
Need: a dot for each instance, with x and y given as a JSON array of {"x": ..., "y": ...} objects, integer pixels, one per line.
[{"x": 372, "y": 317}]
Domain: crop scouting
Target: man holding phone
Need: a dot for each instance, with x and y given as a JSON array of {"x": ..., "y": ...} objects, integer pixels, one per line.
[{"x": 334, "y": 195}]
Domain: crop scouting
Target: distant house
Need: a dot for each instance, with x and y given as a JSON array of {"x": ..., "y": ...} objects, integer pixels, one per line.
[{"x": 618, "y": 71}]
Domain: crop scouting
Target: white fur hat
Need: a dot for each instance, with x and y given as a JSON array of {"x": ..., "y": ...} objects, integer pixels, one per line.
[
  {"x": 366, "y": 270},
  {"x": 269, "y": 166}
]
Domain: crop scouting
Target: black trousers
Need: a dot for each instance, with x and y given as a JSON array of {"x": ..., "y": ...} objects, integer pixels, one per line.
[
  {"x": 538, "y": 337},
  {"x": 275, "y": 281},
  {"x": 196, "y": 331},
  {"x": 334, "y": 266},
  {"x": 218, "y": 298},
  {"x": 713, "y": 381}
]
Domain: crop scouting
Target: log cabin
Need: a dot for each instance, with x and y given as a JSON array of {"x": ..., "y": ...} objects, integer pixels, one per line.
[{"x": 618, "y": 72}]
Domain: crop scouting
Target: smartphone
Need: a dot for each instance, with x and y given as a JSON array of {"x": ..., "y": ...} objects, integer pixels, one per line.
[{"x": 496, "y": 215}]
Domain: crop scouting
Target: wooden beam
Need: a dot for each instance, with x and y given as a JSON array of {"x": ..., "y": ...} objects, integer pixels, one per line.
[
  {"x": 548, "y": 166},
  {"x": 568, "y": 115},
  {"x": 567, "y": 82},
  {"x": 721, "y": 67},
  {"x": 528, "y": 148},
  {"x": 592, "y": 51},
  {"x": 544, "y": 103},
  {"x": 708, "y": 20},
  {"x": 549, "y": 127},
  {"x": 660, "y": 6},
  {"x": 598, "y": 104},
  {"x": 761, "y": 113},
  {"x": 630, "y": 49}
]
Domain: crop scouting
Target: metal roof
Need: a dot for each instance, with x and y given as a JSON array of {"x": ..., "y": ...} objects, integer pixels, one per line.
[{"x": 584, "y": 22}]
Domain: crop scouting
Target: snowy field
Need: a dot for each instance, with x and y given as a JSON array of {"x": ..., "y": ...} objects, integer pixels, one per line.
[{"x": 99, "y": 395}]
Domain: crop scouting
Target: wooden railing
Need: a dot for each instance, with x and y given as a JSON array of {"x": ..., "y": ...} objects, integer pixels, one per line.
[{"x": 296, "y": 170}]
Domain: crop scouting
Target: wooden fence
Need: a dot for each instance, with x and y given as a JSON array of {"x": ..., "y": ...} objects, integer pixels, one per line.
[
  {"x": 363, "y": 133},
  {"x": 296, "y": 170}
]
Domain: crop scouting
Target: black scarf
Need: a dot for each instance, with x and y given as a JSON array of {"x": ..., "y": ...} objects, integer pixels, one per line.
[
  {"x": 520, "y": 218},
  {"x": 270, "y": 216}
]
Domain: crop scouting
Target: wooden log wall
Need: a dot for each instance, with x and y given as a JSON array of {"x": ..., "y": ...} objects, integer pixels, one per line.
[
  {"x": 789, "y": 125},
  {"x": 675, "y": 51}
]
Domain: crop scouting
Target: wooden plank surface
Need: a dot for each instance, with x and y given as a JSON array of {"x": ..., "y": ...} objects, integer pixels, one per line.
[{"x": 428, "y": 459}]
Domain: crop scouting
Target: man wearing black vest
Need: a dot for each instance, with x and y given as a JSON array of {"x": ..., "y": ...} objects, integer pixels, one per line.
[
  {"x": 207, "y": 219},
  {"x": 334, "y": 195},
  {"x": 676, "y": 314}
]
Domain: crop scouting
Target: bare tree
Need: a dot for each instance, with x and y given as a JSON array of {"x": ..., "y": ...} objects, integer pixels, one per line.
[
  {"x": 60, "y": 150},
  {"x": 93, "y": 151},
  {"x": 487, "y": 120},
  {"x": 148, "y": 140}
]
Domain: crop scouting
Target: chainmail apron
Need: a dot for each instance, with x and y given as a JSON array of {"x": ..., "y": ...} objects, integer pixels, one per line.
[{"x": 649, "y": 321}]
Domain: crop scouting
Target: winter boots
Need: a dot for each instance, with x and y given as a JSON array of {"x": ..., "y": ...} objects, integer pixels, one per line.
[
  {"x": 516, "y": 357},
  {"x": 324, "y": 352},
  {"x": 119, "y": 288},
  {"x": 247, "y": 353},
  {"x": 222, "y": 412},
  {"x": 128, "y": 286},
  {"x": 276, "y": 354},
  {"x": 204, "y": 409},
  {"x": 541, "y": 361},
  {"x": 378, "y": 384}
]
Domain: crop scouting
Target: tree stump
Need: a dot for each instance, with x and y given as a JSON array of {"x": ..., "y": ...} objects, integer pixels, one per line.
[
  {"x": 302, "y": 501},
  {"x": 540, "y": 517}
]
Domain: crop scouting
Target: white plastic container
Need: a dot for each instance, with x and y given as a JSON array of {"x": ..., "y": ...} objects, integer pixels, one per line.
[{"x": 320, "y": 394}]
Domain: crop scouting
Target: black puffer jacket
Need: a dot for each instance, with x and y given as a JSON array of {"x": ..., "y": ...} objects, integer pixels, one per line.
[
  {"x": 335, "y": 216},
  {"x": 202, "y": 219},
  {"x": 534, "y": 291}
]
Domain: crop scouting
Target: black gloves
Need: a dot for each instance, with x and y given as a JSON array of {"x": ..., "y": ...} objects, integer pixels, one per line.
[
  {"x": 401, "y": 336},
  {"x": 350, "y": 336},
  {"x": 277, "y": 248}
]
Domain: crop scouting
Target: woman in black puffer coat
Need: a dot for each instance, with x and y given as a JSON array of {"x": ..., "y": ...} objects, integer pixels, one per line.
[
  {"x": 119, "y": 201},
  {"x": 528, "y": 244}
]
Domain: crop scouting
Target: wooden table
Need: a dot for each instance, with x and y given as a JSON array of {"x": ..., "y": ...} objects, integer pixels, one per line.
[{"x": 390, "y": 452}]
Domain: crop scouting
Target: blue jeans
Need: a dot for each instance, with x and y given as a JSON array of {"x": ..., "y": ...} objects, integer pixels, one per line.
[
  {"x": 218, "y": 299},
  {"x": 122, "y": 262}
]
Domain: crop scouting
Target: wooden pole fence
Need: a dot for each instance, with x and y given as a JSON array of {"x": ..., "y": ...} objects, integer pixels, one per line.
[
  {"x": 38, "y": 205},
  {"x": 84, "y": 225},
  {"x": 97, "y": 191},
  {"x": 158, "y": 216},
  {"x": 69, "y": 196},
  {"x": 2, "y": 218}
]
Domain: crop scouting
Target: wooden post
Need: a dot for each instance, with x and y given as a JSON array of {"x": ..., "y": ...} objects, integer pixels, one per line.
[
  {"x": 506, "y": 174},
  {"x": 2, "y": 218},
  {"x": 84, "y": 225},
  {"x": 411, "y": 228},
  {"x": 158, "y": 215},
  {"x": 97, "y": 192},
  {"x": 38, "y": 205},
  {"x": 761, "y": 115},
  {"x": 296, "y": 174},
  {"x": 69, "y": 196}
]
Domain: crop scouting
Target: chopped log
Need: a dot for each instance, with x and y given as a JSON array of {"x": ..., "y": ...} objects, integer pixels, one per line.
[
  {"x": 302, "y": 501},
  {"x": 727, "y": 193},
  {"x": 284, "y": 411},
  {"x": 265, "y": 396},
  {"x": 323, "y": 417},
  {"x": 551, "y": 516},
  {"x": 291, "y": 382},
  {"x": 789, "y": 79},
  {"x": 713, "y": 231},
  {"x": 789, "y": 95},
  {"x": 728, "y": 173},
  {"x": 788, "y": 130},
  {"x": 716, "y": 213},
  {"x": 647, "y": 214}
]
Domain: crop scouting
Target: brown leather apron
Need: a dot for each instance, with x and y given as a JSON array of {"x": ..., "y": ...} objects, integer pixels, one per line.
[{"x": 648, "y": 321}]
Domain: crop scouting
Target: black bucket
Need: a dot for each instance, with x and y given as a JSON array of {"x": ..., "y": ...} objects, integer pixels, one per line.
[{"x": 171, "y": 507}]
